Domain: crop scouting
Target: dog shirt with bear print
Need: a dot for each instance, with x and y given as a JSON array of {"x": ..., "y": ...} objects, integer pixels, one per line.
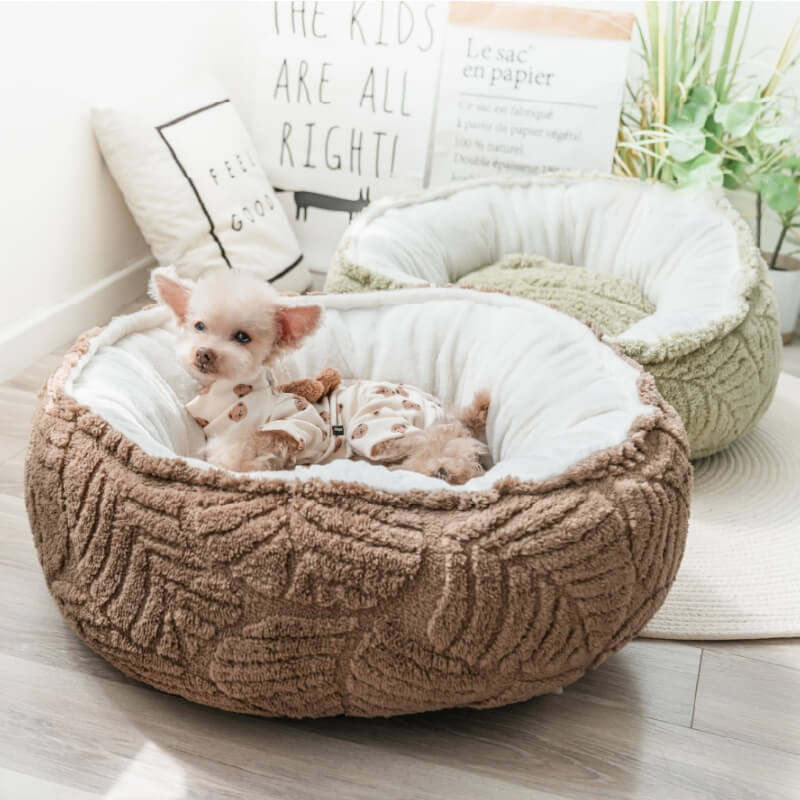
[{"x": 350, "y": 421}]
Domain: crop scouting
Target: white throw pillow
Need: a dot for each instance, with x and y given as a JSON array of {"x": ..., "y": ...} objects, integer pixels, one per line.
[{"x": 191, "y": 177}]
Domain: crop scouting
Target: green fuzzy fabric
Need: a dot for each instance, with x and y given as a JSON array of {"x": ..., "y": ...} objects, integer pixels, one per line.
[
  {"x": 608, "y": 303},
  {"x": 723, "y": 388},
  {"x": 720, "y": 379},
  {"x": 343, "y": 278}
]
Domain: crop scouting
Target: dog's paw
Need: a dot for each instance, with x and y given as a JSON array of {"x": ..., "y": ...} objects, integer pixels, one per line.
[
  {"x": 270, "y": 462},
  {"x": 457, "y": 471},
  {"x": 273, "y": 450},
  {"x": 446, "y": 451}
]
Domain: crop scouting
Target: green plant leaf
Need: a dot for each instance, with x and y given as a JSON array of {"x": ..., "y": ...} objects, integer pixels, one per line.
[
  {"x": 714, "y": 128},
  {"x": 702, "y": 100},
  {"x": 703, "y": 95},
  {"x": 686, "y": 141},
  {"x": 722, "y": 69},
  {"x": 730, "y": 183},
  {"x": 772, "y": 133},
  {"x": 735, "y": 178},
  {"x": 780, "y": 192},
  {"x": 700, "y": 172},
  {"x": 694, "y": 114},
  {"x": 792, "y": 164},
  {"x": 737, "y": 118}
]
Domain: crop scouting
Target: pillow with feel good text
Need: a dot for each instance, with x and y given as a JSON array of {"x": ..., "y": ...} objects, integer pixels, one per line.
[{"x": 191, "y": 177}]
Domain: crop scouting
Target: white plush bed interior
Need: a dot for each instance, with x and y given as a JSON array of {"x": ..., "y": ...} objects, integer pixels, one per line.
[
  {"x": 678, "y": 247},
  {"x": 558, "y": 394}
]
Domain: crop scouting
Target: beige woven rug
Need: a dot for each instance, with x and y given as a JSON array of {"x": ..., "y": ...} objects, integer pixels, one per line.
[{"x": 740, "y": 576}]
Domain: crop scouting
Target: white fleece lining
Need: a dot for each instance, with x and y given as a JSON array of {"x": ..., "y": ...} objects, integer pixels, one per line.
[
  {"x": 680, "y": 247},
  {"x": 558, "y": 394}
]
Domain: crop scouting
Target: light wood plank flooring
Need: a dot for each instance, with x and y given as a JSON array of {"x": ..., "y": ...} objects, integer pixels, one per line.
[{"x": 659, "y": 720}]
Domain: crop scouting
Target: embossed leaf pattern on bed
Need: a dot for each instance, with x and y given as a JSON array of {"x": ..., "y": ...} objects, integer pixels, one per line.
[{"x": 304, "y": 595}]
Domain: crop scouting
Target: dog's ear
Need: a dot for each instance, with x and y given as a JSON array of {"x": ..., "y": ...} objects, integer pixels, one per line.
[
  {"x": 167, "y": 288},
  {"x": 295, "y": 323}
]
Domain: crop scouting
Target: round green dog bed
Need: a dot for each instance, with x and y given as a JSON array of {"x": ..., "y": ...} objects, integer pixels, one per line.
[
  {"x": 672, "y": 278},
  {"x": 349, "y": 588}
]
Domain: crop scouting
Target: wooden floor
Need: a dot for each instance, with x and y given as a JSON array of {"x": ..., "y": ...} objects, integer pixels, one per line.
[{"x": 659, "y": 720}]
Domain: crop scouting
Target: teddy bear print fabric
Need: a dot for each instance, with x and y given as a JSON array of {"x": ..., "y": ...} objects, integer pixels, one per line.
[{"x": 350, "y": 422}]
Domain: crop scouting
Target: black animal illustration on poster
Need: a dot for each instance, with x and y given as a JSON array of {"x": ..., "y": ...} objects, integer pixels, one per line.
[{"x": 327, "y": 202}]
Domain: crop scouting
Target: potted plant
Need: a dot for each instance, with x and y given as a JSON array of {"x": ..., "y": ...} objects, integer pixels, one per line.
[
  {"x": 694, "y": 119},
  {"x": 779, "y": 191}
]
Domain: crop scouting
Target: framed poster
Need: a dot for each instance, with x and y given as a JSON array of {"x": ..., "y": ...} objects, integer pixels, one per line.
[
  {"x": 345, "y": 112},
  {"x": 529, "y": 88}
]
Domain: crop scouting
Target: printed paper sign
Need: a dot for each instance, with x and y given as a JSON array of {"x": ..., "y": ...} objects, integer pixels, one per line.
[
  {"x": 347, "y": 93},
  {"x": 529, "y": 88}
]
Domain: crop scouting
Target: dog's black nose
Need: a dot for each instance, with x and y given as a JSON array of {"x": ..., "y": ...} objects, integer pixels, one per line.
[{"x": 204, "y": 358}]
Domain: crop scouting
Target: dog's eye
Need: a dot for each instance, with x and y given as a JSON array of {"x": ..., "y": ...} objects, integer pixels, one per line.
[
  {"x": 442, "y": 474},
  {"x": 241, "y": 336},
  {"x": 199, "y": 326}
]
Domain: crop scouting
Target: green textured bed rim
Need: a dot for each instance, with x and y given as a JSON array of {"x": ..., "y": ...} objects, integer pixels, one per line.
[{"x": 720, "y": 380}]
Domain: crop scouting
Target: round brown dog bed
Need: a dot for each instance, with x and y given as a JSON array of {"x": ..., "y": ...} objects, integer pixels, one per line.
[{"x": 349, "y": 588}]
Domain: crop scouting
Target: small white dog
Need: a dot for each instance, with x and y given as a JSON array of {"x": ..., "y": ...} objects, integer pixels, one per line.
[{"x": 233, "y": 327}]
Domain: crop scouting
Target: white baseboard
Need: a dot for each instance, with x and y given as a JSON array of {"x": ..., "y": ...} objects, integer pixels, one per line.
[{"x": 33, "y": 338}]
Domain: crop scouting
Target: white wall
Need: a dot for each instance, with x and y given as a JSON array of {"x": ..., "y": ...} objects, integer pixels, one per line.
[{"x": 64, "y": 225}]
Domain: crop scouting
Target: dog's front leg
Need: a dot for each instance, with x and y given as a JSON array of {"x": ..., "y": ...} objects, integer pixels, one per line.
[{"x": 256, "y": 451}]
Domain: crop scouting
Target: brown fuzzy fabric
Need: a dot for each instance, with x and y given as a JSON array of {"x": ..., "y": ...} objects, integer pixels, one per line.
[{"x": 313, "y": 599}]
